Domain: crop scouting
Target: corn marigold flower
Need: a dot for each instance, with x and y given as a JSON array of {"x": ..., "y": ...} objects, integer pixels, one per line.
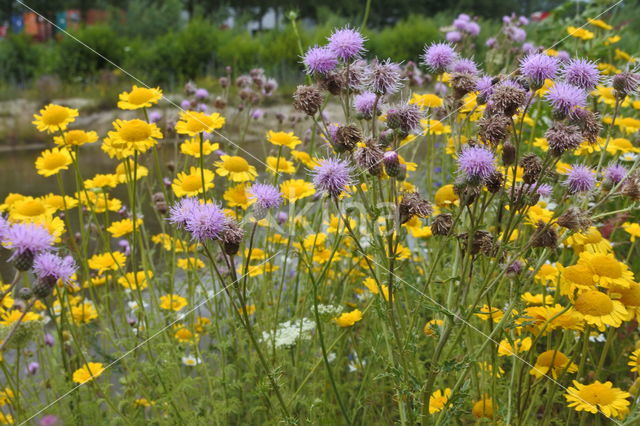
[
  {"x": 483, "y": 408},
  {"x": 581, "y": 73},
  {"x": 580, "y": 179},
  {"x": 139, "y": 97},
  {"x": 348, "y": 319},
  {"x": 54, "y": 118},
  {"x": 438, "y": 56},
  {"x": 599, "y": 309},
  {"x": 190, "y": 184},
  {"x": 88, "y": 372},
  {"x": 477, "y": 162},
  {"x": 235, "y": 168},
  {"x": 52, "y": 161},
  {"x": 135, "y": 280},
  {"x": 598, "y": 397},
  {"x": 131, "y": 136},
  {"x": 75, "y": 138},
  {"x": 438, "y": 400},
  {"x": 564, "y": 98},
  {"x": 103, "y": 262},
  {"x": 552, "y": 363},
  {"x": 122, "y": 227},
  {"x": 319, "y": 60},
  {"x": 538, "y": 67},
  {"x": 346, "y": 43},
  {"x": 332, "y": 176},
  {"x": 191, "y": 147},
  {"x": 172, "y": 302},
  {"x": 192, "y": 123}
]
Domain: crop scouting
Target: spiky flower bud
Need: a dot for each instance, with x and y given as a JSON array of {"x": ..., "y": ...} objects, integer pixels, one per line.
[
  {"x": 625, "y": 84},
  {"x": 25, "y": 293},
  {"x": 231, "y": 237},
  {"x": 494, "y": 182},
  {"x": 370, "y": 157},
  {"x": 562, "y": 138},
  {"x": 493, "y": 128},
  {"x": 24, "y": 261},
  {"x": 462, "y": 84},
  {"x": 508, "y": 154},
  {"x": 391, "y": 162}
]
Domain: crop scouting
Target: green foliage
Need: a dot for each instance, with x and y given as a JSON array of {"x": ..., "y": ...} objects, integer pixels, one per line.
[
  {"x": 18, "y": 58},
  {"x": 404, "y": 40}
]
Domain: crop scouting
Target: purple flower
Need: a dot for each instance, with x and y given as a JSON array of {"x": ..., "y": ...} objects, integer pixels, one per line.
[
  {"x": 49, "y": 340},
  {"x": 516, "y": 34},
  {"x": 50, "y": 267},
  {"x": 544, "y": 190},
  {"x": 384, "y": 77},
  {"x": 564, "y": 97},
  {"x": 491, "y": 42},
  {"x": 439, "y": 56},
  {"x": 319, "y": 60},
  {"x": 477, "y": 162},
  {"x": 26, "y": 238},
  {"x": 346, "y": 43},
  {"x": 440, "y": 88},
  {"x": 538, "y": 67},
  {"x": 4, "y": 227},
  {"x": 581, "y": 73},
  {"x": 580, "y": 179},
  {"x": 563, "y": 56},
  {"x": 453, "y": 36},
  {"x": 181, "y": 211},
  {"x": 186, "y": 105},
  {"x": 484, "y": 85},
  {"x": 523, "y": 20},
  {"x": 464, "y": 66},
  {"x": 266, "y": 196},
  {"x": 155, "y": 116},
  {"x": 615, "y": 173},
  {"x": 528, "y": 48},
  {"x": 202, "y": 94},
  {"x": 49, "y": 420},
  {"x": 460, "y": 23},
  {"x": 201, "y": 107},
  {"x": 364, "y": 104},
  {"x": 473, "y": 28},
  {"x": 125, "y": 247},
  {"x": 257, "y": 114},
  {"x": 33, "y": 368},
  {"x": 207, "y": 222},
  {"x": 332, "y": 176},
  {"x": 405, "y": 117}
]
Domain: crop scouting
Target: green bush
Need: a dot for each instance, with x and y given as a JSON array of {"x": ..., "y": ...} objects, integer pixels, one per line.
[
  {"x": 405, "y": 40},
  {"x": 19, "y": 58}
]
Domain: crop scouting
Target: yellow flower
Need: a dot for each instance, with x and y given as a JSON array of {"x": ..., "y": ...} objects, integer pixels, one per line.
[
  {"x": 192, "y": 147},
  {"x": 622, "y": 145},
  {"x": 280, "y": 165},
  {"x": 599, "y": 309},
  {"x": 427, "y": 100},
  {"x": 371, "y": 284},
  {"x": 131, "y": 136},
  {"x": 135, "y": 281},
  {"x": 348, "y": 319},
  {"x": 75, "y": 138},
  {"x": 505, "y": 348},
  {"x": 255, "y": 270},
  {"x": 552, "y": 363},
  {"x": 612, "y": 40},
  {"x": 236, "y": 168},
  {"x": 483, "y": 408},
  {"x": 434, "y": 127},
  {"x": 605, "y": 95},
  {"x": 238, "y": 196},
  {"x": 6, "y": 396},
  {"x": 100, "y": 203},
  {"x": 624, "y": 56},
  {"x": 143, "y": 402},
  {"x": 184, "y": 335},
  {"x": 125, "y": 176},
  {"x": 438, "y": 400},
  {"x": 193, "y": 123},
  {"x": 88, "y": 372},
  {"x": 190, "y": 263},
  {"x": 432, "y": 326},
  {"x": 536, "y": 299},
  {"x": 102, "y": 181},
  {"x": 598, "y": 396},
  {"x": 54, "y": 117},
  {"x": 251, "y": 309},
  {"x": 600, "y": 24},
  {"x": 9, "y": 318},
  {"x": 122, "y": 227},
  {"x": 139, "y": 97},
  {"x": 304, "y": 158},
  {"x": 590, "y": 240},
  {"x": 287, "y": 139},
  {"x": 83, "y": 313},
  {"x": 490, "y": 313},
  {"x": 51, "y": 161},
  {"x": 547, "y": 274},
  {"x": 445, "y": 196},
  {"x": 634, "y": 361},
  {"x": 576, "y": 277},
  {"x": 191, "y": 184},
  {"x": 107, "y": 261},
  {"x": 296, "y": 189},
  {"x": 607, "y": 270},
  {"x": 172, "y": 302},
  {"x": 29, "y": 209},
  {"x": 630, "y": 298},
  {"x": 580, "y": 33}
]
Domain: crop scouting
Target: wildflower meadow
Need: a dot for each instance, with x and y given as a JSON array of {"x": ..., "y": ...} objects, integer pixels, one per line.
[{"x": 450, "y": 239}]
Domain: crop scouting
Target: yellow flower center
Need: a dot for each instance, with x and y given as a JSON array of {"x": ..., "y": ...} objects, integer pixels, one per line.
[
  {"x": 54, "y": 160},
  {"x": 631, "y": 296},
  {"x": 31, "y": 208},
  {"x": 199, "y": 123},
  {"x": 606, "y": 266},
  {"x": 594, "y": 303},
  {"x": 55, "y": 115},
  {"x": 236, "y": 164},
  {"x": 597, "y": 394},
  {"x": 76, "y": 137},
  {"x": 135, "y": 131},
  {"x": 579, "y": 274},
  {"x": 192, "y": 183},
  {"x": 545, "y": 358},
  {"x": 140, "y": 96}
]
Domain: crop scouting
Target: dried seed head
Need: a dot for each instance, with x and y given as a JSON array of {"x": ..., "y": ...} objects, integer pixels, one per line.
[
  {"x": 442, "y": 224},
  {"x": 625, "y": 84},
  {"x": 231, "y": 237},
  {"x": 588, "y": 122},
  {"x": 544, "y": 236},
  {"x": 483, "y": 242},
  {"x": 413, "y": 204},
  {"x": 562, "y": 138},
  {"x": 332, "y": 82},
  {"x": 631, "y": 187},
  {"x": 515, "y": 268},
  {"x": 307, "y": 99},
  {"x": 493, "y": 128},
  {"x": 370, "y": 157},
  {"x": 346, "y": 138},
  {"x": 532, "y": 167},
  {"x": 508, "y": 154},
  {"x": 404, "y": 117},
  {"x": 574, "y": 219},
  {"x": 494, "y": 182},
  {"x": 506, "y": 98},
  {"x": 462, "y": 84}
]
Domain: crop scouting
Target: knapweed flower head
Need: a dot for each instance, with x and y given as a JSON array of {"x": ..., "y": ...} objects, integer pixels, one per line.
[
  {"x": 615, "y": 173},
  {"x": 484, "y": 85},
  {"x": 320, "y": 60},
  {"x": 581, "y": 73},
  {"x": 464, "y": 66},
  {"x": 477, "y": 162},
  {"x": 626, "y": 83},
  {"x": 364, "y": 104},
  {"x": 564, "y": 98},
  {"x": 332, "y": 176},
  {"x": 181, "y": 211},
  {"x": 405, "y": 117},
  {"x": 383, "y": 78},
  {"x": 453, "y": 36},
  {"x": 544, "y": 190},
  {"x": 346, "y": 43},
  {"x": 562, "y": 137},
  {"x": 538, "y": 67},
  {"x": 506, "y": 97},
  {"x": 266, "y": 197},
  {"x": 580, "y": 179},
  {"x": 207, "y": 222},
  {"x": 438, "y": 56},
  {"x": 51, "y": 267},
  {"x": 28, "y": 238}
]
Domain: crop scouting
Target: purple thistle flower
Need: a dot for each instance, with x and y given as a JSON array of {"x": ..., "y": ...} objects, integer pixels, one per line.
[
  {"x": 155, "y": 116},
  {"x": 33, "y": 368},
  {"x": 477, "y": 162},
  {"x": 439, "y": 56},
  {"x": 405, "y": 117},
  {"x": 384, "y": 77},
  {"x": 563, "y": 56},
  {"x": 460, "y": 23},
  {"x": 50, "y": 267},
  {"x": 201, "y": 94},
  {"x": 207, "y": 222},
  {"x": 516, "y": 34},
  {"x": 182, "y": 211},
  {"x": 27, "y": 238},
  {"x": 319, "y": 60},
  {"x": 473, "y": 28},
  {"x": 491, "y": 42},
  {"x": 464, "y": 66},
  {"x": 185, "y": 105},
  {"x": 523, "y": 20},
  {"x": 440, "y": 88},
  {"x": 544, "y": 190},
  {"x": 484, "y": 85},
  {"x": 581, "y": 73},
  {"x": 346, "y": 43},
  {"x": 364, "y": 104},
  {"x": 580, "y": 179},
  {"x": 4, "y": 227},
  {"x": 332, "y": 176},
  {"x": 528, "y": 48},
  {"x": 564, "y": 98},
  {"x": 50, "y": 420},
  {"x": 538, "y": 67},
  {"x": 615, "y": 173},
  {"x": 453, "y": 36},
  {"x": 266, "y": 196}
]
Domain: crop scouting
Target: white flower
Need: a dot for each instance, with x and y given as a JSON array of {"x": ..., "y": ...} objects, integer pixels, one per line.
[
  {"x": 191, "y": 360},
  {"x": 289, "y": 332},
  {"x": 329, "y": 310}
]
